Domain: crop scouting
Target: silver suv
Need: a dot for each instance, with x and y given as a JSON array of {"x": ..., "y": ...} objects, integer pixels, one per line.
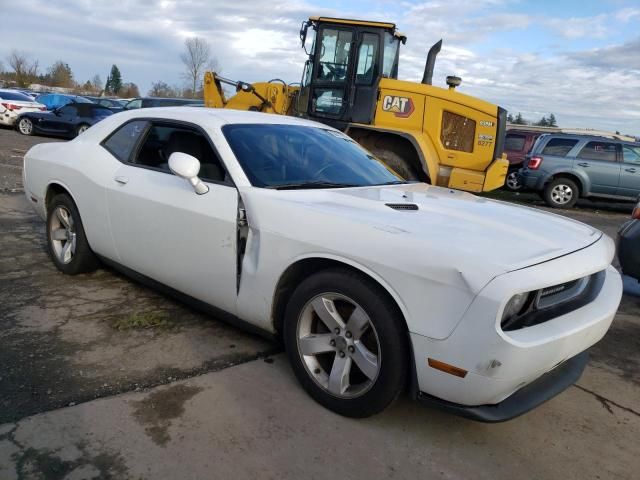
[{"x": 565, "y": 167}]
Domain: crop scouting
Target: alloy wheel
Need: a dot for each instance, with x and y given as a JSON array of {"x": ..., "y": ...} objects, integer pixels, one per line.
[
  {"x": 63, "y": 235},
  {"x": 562, "y": 194},
  {"x": 513, "y": 181},
  {"x": 25, "y": 126},
  {"x": 338, "y": 345}
]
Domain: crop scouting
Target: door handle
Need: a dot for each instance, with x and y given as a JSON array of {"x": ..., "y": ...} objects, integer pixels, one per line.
[
  {"x": 631, "y": 170},
  {"x": 121, "y": 180},
  {"x": 583, "y": 164}
]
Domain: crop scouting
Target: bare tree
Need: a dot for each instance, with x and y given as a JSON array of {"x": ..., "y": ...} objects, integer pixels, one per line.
[
  {"x": 196, "y": 58},
  {"x": 96, "y": 83},
  {"x": 25, "y": 70}
]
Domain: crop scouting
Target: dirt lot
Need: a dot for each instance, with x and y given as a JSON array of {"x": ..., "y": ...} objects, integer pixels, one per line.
[{"x": 67, "y": 340}]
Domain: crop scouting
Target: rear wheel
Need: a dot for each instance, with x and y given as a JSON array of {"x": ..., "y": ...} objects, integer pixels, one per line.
[
  {"x": 346, "y": 342},
  {"x": 66, "y": 239},
  {"x": 81, "y": 128},
  {"x": 561, "y": 193},
  {"x": 25, "y": 126}
]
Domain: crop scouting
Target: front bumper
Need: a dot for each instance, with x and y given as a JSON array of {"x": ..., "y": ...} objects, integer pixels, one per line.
[
  {"x": 500, "y": 363},
  {"x": 527, "y": 398}
]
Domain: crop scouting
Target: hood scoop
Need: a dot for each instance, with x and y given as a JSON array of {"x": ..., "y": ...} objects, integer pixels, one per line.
[{"x": 402, "y": 206}]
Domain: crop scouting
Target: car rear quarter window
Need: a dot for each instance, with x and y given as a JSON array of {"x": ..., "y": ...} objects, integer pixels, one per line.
[
  {"x": 122, "y": 142},
  {"x": 603, "y": 151},
  {"x": 559, "y": 147},
  {"x": 631, "y": 154},
  {"x": 515, "y": 143}
]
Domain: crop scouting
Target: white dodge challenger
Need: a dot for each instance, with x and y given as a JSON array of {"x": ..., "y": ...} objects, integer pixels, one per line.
[{"x": 374, "y": 284}]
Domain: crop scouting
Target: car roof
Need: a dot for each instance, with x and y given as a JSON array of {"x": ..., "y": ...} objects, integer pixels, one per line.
[
  {"x": 214, "y": 117},
  {"x": 591, "y": 137}
]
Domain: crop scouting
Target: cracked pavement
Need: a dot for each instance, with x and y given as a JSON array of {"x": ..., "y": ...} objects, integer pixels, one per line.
[{"x": 197, "y": 398}]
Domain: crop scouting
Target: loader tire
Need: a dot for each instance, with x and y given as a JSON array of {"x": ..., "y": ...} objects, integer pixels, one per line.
[{"x": 396, "y": 163}]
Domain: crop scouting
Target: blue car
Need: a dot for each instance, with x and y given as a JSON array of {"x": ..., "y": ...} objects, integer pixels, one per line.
[
  {"x": 67, "y": 121},
  {"x": 57, "y": 100}
]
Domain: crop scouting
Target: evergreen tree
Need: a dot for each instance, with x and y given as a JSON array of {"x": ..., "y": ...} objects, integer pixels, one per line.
[
  {"x": 510, "y": 118},
  {"x": 519, "y": 120},
  {"x": 551, "y": 121},
  {"x": 114, "y": 83}
]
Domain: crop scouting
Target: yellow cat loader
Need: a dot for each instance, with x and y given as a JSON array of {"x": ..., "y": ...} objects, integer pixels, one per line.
[{"x": 349, "y": 81}]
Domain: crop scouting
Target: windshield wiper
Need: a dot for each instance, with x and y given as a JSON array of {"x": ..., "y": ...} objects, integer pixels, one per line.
[{"x": 313, "y": 184}]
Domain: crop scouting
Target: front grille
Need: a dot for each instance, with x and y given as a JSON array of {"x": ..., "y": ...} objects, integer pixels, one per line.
[
  {"x": 402, "y": 206},
  {"x": 557, "y": 300}
]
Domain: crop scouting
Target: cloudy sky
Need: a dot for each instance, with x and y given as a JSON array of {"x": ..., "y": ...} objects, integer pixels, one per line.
[{"x": 577, "y": 59}]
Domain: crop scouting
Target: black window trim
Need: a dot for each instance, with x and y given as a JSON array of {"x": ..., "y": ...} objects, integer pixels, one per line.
[{"x": 142, "y": 138}]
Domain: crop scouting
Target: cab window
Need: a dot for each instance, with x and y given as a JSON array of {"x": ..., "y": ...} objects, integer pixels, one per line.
[
  {"x": 366, "y": 70},
  {"x": 335, "y": 47}
]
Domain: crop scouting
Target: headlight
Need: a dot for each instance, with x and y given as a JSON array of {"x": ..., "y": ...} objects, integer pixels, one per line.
[{"x": 514, "y": 306}]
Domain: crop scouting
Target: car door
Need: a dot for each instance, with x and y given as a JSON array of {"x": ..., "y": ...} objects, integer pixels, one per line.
[
  {"x": 630, "y": 171},
  {"x": 163, "y": 229},
  {"x": 599, "y": 161}
]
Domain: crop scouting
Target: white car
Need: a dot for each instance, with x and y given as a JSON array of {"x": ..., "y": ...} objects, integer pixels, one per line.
[
  {"x": 374, "y": 284},
  {"x": 14, "y": 103}
]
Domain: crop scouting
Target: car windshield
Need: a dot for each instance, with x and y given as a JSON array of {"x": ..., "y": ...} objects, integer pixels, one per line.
[{"x": 295, "y": 156}]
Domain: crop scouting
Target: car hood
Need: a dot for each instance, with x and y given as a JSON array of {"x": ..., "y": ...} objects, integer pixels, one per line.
[{"x": 451, "y": 230}]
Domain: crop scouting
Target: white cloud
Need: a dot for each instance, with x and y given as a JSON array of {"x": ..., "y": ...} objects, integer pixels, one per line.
[{"x": 254, "y": 41}]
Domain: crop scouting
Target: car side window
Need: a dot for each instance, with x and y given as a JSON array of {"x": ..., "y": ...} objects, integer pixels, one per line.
[
  {"x": 122, "y": 142},
  {"x": 514, "y": 143},
  {"x": 163, "y": 139},
  {"x": 68, "y": 110},
  {"x": 631, "y": 154},
  {"x": 559, "y": 147},
  {"x": 603, "y": 151},
  {"x": 134, "y": 104}
]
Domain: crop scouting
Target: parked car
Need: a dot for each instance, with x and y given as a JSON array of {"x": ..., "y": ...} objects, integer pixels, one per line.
[
  {"x": 67, "y": 121},
  {"x": 518, "y": 142},
  {"x": 565, "y": 167},
  {"x": 374, "y": 283},
  {"x": 113, "y": 104},
  {"x": 148, "y": 102},
  {"x": 629, "y": 245},
  {"x": 57, "y": 100},
  {"x": 13, "y": 103}
]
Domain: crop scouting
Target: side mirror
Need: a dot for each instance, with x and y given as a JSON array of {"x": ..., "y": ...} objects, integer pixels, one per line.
[{"x": 187, "y": 167}]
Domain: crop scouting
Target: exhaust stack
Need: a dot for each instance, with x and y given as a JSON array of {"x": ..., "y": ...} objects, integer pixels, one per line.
[{"x": 427, "y": 78}]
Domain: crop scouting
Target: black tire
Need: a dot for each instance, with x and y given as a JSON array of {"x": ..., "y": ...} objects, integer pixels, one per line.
[
  {"x": 512, "y": 182},
  {"x": 83, "y": 259},
  {"x": 397, "y": 164},
  {"x": 554, "y": 197},
  {"x": 25, "y": 126},
  {"x": 388, "y": 326}
]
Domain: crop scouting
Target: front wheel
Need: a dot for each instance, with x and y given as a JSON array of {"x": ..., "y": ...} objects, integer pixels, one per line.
[
  {"x": 561, "y": 193},
  {"x": 66, "y": 239},
  {"x": 25, "y": 126},
  {"x": 346, "y": 342}
]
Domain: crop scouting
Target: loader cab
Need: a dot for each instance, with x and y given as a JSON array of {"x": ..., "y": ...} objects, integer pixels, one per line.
[{"x": 347, "y": 59}]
